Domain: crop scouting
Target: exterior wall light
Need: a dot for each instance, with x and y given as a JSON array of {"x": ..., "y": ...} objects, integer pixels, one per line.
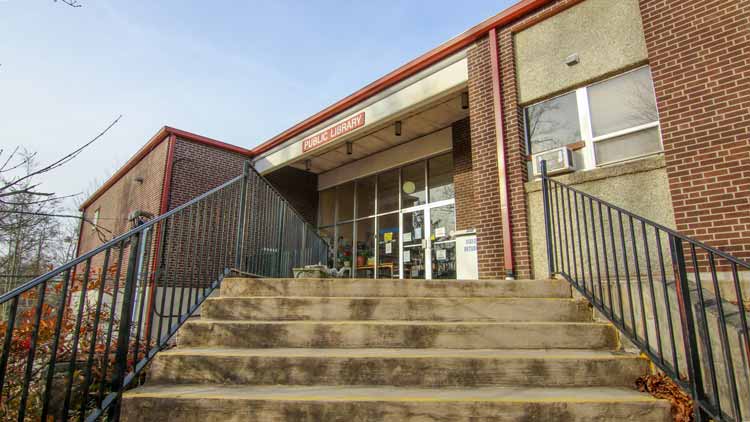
[
  {"x": 349, "y": 148},
  {"x": 139, "y": 179},
  {"x": 464, "y": 100},
  {"x": 572, "y": 60},
  {"x": 397, "y": 127},
  {"x": 308, "y": 164}
]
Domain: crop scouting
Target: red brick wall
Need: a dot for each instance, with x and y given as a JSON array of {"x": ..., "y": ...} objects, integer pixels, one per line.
[
  {"x": 484, "y": 162},
  {"x": 198, "y": 168},
  {"x": 484, "y": 153},
  {"x": 127, "y": 195},
  {"x": 462, "y": 175},
  {"x": 699, "y": 52}
]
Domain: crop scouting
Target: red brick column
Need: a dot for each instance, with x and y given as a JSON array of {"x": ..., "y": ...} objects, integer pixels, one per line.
[
  {"x": 488, "y": 221},
  {"x": 699, "y": 52}
]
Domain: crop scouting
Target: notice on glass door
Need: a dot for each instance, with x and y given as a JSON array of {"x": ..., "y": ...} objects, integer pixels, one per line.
[
  {"x": 407, "y": 256},
  {"x": 407, "y": 237},
  {"x": 388, "y": 248},
  {"x": 418, "y": 234},
  {"x": 440, "y": 254},
  {"x": 440, "y": 232}
]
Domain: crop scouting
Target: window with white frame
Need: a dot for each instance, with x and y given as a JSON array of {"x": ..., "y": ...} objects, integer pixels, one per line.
[{"x": 616, "y": 119}]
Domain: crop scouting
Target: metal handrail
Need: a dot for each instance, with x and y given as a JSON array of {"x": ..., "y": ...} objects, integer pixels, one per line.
[
  {"x": 124, "y": 300},
  {"x": 694, "y": 335}
]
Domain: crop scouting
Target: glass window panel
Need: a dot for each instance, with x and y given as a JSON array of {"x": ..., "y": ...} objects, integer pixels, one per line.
[
  {"x": 327, "y": 233},
  {"x": 327, "y": 207},
  {"x": 344, "y": 248},
  {"x": 628, "y": 146},
  {"x": 345, "y": 200},
  {"x": 623, "y": 102},
  {"x": 366, "y": 248},
  {"x": 412, "y": 185},
  {"x": 444, "y": 260},
  {"x": 412, "y": 238},
  {"x": 440, "y": 170},
  {"x": 388, "y": 191},
  {"x": 553, "y": 123},
  {"x": 442, "y": 223},
  {"x": 366, "y": 197},
  {"x": 388, "y": 236}
]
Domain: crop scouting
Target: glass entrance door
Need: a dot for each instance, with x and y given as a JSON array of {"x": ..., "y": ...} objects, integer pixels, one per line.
[
  {"x": 428, "y": 247},
  {"x": 414, "y": 256}
]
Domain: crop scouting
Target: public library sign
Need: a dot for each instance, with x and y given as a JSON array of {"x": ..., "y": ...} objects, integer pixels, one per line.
[{"x": 339, "y": 129}]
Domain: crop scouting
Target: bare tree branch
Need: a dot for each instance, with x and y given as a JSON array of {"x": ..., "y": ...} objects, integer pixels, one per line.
[
  {"x": 71, "y": 3},
  {"x": 60, "y": 162}
]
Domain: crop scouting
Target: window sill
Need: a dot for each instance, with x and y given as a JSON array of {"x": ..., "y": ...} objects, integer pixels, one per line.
[{"x": 641, "y": 165}]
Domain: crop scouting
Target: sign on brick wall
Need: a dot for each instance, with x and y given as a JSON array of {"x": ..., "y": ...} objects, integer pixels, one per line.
[{"x": 339, "y": 129}]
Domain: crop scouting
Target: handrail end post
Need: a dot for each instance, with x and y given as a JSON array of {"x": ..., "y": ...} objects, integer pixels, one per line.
[{"x": 547, "y": 218}]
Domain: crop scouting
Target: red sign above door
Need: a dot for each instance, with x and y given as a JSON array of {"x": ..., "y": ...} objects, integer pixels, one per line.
[{"x": 333, "y": 132}]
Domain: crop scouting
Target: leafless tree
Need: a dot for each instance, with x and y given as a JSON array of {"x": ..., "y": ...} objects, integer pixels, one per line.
[
  {"x": 14, "y": 180},
  {"x": 71, "y": 3}
]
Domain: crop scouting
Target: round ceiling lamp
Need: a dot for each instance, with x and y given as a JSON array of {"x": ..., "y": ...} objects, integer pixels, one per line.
[{"x": 409, "y": 187}]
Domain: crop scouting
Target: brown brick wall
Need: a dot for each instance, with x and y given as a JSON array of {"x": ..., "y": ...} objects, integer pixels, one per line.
[
  {"x": 484, "y": 153},
  {"x": 484, "y": 162},
  {"x": 699, "y": 52},
  {"x": 127, "y": 195},
  {"x": 198, "y": 168},
  {"x": 462, "y": 175}
]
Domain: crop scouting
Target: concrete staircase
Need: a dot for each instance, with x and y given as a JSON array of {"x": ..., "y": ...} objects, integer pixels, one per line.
[{"x": 394, "y": 350}]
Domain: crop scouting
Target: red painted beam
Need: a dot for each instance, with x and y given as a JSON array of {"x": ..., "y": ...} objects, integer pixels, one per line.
[{"x": 502, "y": 173}]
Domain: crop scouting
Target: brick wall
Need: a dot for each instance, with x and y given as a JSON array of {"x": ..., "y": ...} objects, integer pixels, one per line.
[
  {"x": 699, "y": 52},
  {"x": 194, "y": 246},
  {"x": 462, "y": 175},
  {"x": 484, "y": 152},
  {"x": 484, "y": 163},
  {"x": 126, "y": 195},
  {"x": 198, "y": 168},
  {"x": 300, "y": 188}
]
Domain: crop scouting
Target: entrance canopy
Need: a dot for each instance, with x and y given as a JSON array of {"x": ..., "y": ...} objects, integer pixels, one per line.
[{"x": 422, "y": 104}]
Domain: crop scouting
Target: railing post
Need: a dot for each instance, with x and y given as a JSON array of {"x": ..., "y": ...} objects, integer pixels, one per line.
[
  {"x": 279, "y": 253},
  {"x": 547, "y": 219},
  {"x": 126, "y": 320},
  {"x": 241, "y": 218},
  {"x": 687, "y": 322}
]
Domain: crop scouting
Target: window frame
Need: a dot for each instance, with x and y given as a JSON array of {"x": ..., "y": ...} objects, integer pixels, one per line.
[
  {"x": 353, "y": 221},
  {"x": 585, "y": 123}
]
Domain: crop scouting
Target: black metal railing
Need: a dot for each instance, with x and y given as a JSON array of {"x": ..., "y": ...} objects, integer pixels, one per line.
[
  {"x": 75, "y": 338},
  {"x": 678, "y": 300}
]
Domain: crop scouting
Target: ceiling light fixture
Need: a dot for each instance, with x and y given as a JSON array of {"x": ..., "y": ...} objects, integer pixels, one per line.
[
  {"x": 464, "y": 100},
  {"x": 397, "y": 127}
]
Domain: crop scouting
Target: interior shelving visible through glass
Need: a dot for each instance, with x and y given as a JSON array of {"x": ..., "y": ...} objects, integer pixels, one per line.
[{"x": 395, "y": 224}]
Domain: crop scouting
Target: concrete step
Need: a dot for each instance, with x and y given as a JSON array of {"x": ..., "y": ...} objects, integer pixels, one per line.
[
  {"x": 397, "y": 367},
  {"x": 400, "y": 334},
  {"x": 396, "y": 308},
  {"x": 189, "y": 403},
  {"x": 234, "y": 287}
]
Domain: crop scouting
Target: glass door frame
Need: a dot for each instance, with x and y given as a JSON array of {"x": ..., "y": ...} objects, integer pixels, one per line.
[{"x": 426, "y": 236}]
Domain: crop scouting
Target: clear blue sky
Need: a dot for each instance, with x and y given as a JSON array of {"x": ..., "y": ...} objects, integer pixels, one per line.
[{"x": 238, "y": 71}]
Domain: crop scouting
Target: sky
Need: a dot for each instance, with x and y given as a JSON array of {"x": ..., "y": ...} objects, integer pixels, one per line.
[{"x": 237, "y": 71}]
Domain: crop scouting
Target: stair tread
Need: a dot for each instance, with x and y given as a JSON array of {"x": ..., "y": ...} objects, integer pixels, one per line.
[
  {"x": 404, "y": 353},
  {"x": 394, "y": 322},
  {"x": 392, "y": 394},
  {"x": 432, "y": 298}
]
